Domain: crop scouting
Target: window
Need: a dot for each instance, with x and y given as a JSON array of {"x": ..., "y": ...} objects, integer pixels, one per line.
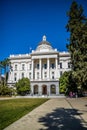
[
  {"x": 60, "y": 65},
  {"x": 45, "y": 66},
  {"x": 53, "y": 65},
  {"x": 61, "y": 73},
  {"x": 52, "y": 75},
  {"x": 37, "y": 75},
  {"x": 37, "y": 66},
  {"x": 30, "y": 75},
  {"x": 22, "y": 75},
  {"x": 30, "y": 66},
  {"x": 69, "y": 65},
  {"x": 23, "y": 66},
  {"x": 15, "y": 76},
  {"x": 45, "y": 75},
  {"x": 15, "y": 67}
]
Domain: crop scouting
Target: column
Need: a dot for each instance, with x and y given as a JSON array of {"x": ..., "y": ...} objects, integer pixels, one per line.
[
  {"x": 40, "y": 69},
  {"x": 40, "y": 89},
  {"x": 57, "y": 88},
  {"x": 48, "y": 89},
  {"x": 32, "y": 89},
  {"x": 56, "y": 67},
  {"x": 32, "y": 76},
  {"x": 12, "y": 73},
  {"x": 48, "y": 72}
]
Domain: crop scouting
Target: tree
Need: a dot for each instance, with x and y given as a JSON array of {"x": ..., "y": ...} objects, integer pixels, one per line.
[
  {"x": 77, "y": 26},
  {"x": 5, "y": 90},
  {"x": 63, "y": 82},
  {"x": 6, "y": 65},
  {"x": 23, "y": 86},
  {"x": 67, "y": 83},
  {"x": 5, "y": 62}
]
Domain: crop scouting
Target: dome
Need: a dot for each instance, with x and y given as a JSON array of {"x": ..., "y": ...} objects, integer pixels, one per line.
[
  {"x": 44, "y": 45},
  {"x": 44, "y": 42}
]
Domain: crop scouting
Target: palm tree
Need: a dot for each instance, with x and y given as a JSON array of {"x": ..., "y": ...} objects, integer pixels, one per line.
[{"x": 6, "y": 65}]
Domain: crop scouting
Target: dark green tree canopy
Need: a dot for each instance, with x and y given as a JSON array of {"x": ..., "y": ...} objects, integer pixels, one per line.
[
  {"x": 5, "y": 62},
  {"x": 77, "y": 27},
  {"x": 23, "y": 86},
  {"x": 67, "y": 83}
]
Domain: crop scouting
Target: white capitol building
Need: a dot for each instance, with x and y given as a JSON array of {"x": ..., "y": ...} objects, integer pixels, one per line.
[{"x": 42, "y": 66}]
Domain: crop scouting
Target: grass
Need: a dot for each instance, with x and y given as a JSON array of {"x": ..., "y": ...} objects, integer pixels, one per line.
[{"x": 12, "y": 110}]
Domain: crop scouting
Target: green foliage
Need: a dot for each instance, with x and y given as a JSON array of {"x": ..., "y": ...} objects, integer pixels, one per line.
[
  {"x": 77, "y": 26},
  {"x": 12, "y": 110},
  {"x": 23, "y": 86},
  {"x": 5, "y": 90},
  {"x": 68, "y": 83},
  {"x": 5, "y": 62},
  {"x": 63, "y": 82}
]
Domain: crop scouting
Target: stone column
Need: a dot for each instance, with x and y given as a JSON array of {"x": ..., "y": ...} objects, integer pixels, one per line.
[
  {"x": 32, "y": 89},
  {"x": 12, "y": 74},
  {"x": 48, "y": 69},
  {"x": 40, "y": 69},
  {"x": 57, "y": 88},
  {"x": 56, "y": 68},
  {"x": 40, "y": 90},
  {"x": 32, "y": 76},
  {"x": 48, "y": 89}
]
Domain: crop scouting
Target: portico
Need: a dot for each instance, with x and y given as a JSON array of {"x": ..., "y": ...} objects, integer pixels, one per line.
[
  {"x": 45, "y": 88},
  {"x": 43, "y": 68}
]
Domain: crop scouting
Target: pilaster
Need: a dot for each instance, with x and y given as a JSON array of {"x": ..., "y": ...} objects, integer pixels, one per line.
[
  {"x": 48, "y": 71},
  {"x": 40, "y": 71},
  {"x": 56, "y": 66},
  {"x": 32, "y": 76}
]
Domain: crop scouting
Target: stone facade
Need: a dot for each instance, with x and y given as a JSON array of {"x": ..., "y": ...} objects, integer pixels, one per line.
[{"x": 42, "y": 66}]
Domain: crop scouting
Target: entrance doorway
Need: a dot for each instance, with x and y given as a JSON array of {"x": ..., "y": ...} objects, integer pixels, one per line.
[{"x": 44, "y": 90}]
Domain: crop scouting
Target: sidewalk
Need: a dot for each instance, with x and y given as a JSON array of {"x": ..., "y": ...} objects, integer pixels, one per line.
[{"x": 55, "y": 114}]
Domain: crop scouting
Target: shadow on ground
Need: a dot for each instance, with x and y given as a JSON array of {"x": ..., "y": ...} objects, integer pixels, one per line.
[{"x": 62, "y": 119}]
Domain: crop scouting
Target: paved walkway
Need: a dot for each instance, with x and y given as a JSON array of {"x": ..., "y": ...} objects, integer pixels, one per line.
[{"x": 55, "y": 114}]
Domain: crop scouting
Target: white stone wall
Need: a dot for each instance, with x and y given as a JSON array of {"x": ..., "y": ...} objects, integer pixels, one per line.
[
  {"x": 26, "y": 65},
  {"x": 44, "y": 60}
]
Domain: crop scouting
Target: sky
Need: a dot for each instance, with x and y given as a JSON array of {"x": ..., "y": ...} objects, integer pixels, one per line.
[{"x": 24, "y": 22}]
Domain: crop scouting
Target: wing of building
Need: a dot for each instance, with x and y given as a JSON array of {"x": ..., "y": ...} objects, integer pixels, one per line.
[{"x": 43, "y": 67}]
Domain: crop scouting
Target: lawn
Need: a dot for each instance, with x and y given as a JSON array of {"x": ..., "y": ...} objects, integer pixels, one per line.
[{"x": 12, "y": 110}]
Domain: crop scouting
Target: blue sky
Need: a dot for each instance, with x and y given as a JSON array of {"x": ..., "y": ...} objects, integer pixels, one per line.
[{"x": 24, "y": 22}]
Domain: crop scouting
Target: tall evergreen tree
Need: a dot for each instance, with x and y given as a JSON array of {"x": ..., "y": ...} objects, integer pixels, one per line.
[{"x": 77, "y": 26}]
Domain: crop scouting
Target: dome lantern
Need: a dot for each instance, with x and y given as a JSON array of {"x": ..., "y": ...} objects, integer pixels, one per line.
[{"x": 44, "y": 38}]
